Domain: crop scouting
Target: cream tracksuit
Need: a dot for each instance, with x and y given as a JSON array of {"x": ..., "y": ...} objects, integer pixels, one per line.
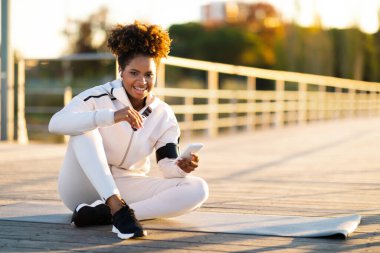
[{"x": 104, "y": 158}]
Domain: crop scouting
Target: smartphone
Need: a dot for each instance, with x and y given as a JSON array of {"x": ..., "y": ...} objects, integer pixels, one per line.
[{"x": 191, "y": 148}]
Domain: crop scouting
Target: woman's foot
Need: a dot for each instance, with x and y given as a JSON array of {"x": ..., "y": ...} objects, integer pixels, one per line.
[
  {"x": 125, "y": 224},
  {"x": 96, "y": 213}
]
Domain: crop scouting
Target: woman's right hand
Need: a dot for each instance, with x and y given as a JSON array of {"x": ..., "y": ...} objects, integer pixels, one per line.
[{"x": 130, "y": 115}]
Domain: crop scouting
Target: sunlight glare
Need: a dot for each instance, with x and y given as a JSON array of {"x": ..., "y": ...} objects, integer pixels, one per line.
[{"x": 37, "y": 32}]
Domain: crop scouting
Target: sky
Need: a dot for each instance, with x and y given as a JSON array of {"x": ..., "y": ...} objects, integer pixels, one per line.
[{"x": 37, "y": 25}]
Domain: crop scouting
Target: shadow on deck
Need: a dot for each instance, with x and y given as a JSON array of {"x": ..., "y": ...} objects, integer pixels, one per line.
[{"x": 322, "y": 169}]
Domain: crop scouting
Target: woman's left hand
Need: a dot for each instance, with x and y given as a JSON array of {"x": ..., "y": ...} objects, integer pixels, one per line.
[{"x": 188, "y": 165}]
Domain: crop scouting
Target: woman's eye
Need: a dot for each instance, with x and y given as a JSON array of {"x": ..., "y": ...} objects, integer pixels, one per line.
[
  {"x": 133, "y": 73},
  {"x": 149, "y": 75}
]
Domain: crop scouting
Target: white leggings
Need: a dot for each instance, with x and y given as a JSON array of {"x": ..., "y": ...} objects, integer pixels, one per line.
[{"x": 86, "y": 177}]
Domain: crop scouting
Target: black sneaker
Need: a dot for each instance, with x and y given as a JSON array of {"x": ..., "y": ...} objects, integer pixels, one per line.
[
  {"x": 125, "y": 224},
  {"x": 97, "y": 213}
]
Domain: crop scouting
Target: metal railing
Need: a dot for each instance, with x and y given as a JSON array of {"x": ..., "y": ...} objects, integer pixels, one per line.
[{"x": 315, "y": 98}]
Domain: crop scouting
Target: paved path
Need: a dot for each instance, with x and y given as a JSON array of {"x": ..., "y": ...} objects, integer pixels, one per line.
[{"x": 322, "y": 169}]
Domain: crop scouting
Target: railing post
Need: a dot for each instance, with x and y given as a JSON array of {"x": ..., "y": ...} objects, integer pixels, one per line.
[
  {"x": 373, "y": 108},
  {"x": 367, "y": 99},
  {"x": 345, "y": 107},
  {"x": 365, "y": 103},
  {"x": 358, "y": 97},
  {"x": 161, "y": 76},
  {"x": 117, "y": 72},
  {"x": 280, "y": 87},
  {"x": 363, "y": 97},
  {"x": 7, "y": 75},
  {"x": 369, "y": 102},
  {"x": 233, "y": 114},
  {"x": 322, "y": 103},
  {"x": 377, "y": 103},
  {"x": 67, "y": 80},
  {"x": 189, "y": 101},
  {"x": 160, "y": 82},
  {"x": 352, "y": 102},
  {"x": 302, "y": 103},
  {"x": 67, "y": 96},
  {"x": 338, "y": 103},
  {"x": 212, "y": 83},
  {"x": 22, "y": 132},
  {"x": 251, "y": 102}
]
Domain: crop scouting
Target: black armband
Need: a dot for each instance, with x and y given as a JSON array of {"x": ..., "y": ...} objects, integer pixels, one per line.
[{"x": 170, "y": 150}]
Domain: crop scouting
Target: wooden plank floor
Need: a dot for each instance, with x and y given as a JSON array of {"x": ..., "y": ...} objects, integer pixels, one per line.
[{"x": 322, "y": 169}]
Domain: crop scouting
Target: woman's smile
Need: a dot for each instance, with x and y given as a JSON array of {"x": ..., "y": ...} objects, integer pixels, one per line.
[
  {"x": 140, "y": 90},
  {"x": 138, "y": 79}
]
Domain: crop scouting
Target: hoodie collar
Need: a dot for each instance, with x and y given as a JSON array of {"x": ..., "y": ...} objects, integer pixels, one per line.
[{"x": 117, "y": 90}]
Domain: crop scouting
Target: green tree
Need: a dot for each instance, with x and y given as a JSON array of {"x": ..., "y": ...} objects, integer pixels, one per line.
[
  {"x": 226, "y": 44},
  {"x": 349, "y": 54},
  {"x": 89, "y": 35},
  {"x": 372, "y": 58}
]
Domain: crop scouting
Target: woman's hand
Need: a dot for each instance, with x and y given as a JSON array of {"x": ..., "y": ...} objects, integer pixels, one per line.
[
  {"x": 130, "y": 115},
  {"x": 188, "y": 165}
]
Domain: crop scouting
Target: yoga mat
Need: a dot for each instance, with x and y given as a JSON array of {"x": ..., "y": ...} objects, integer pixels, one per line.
[
  {"x": 36, "y": 212},
  {"x": 293, "y": 226},
  {"x": 276, "y": 225}
]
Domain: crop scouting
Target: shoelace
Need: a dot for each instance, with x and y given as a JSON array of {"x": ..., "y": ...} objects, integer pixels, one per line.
[{"x": 131, "y": 213}]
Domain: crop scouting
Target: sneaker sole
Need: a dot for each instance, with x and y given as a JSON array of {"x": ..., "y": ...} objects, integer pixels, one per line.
[
  {"x": 96, "y": 203},
  {"x": 128, "y": 236},
  {"x": 79, "y": 222}
]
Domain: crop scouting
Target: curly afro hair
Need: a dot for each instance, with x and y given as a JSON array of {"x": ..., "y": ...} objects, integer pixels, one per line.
[{"x": 128, "y": 41}]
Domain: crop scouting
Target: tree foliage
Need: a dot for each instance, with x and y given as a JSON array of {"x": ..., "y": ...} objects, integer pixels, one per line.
[
  {"x": 89, "y": 35},
  {"x": 346, "y": 53},
  {"x": 233, "y": 45}
]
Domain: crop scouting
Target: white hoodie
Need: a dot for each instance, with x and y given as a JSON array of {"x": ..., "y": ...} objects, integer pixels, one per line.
[{"x": 127, "y": 149}]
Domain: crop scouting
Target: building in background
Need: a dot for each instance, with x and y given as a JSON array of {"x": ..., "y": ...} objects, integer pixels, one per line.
[{"x": 255, "y": 16}]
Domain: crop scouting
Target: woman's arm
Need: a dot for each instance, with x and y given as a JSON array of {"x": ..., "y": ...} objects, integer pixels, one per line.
[
  {"x": 167, "y": 154},
  {"x": 77, "y": 118}
]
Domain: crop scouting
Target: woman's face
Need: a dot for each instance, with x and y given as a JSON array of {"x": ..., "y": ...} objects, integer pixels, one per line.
[{"x": 139, "y": 77}]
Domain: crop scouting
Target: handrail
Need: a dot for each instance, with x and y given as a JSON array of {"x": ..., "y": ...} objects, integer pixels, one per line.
[
  {"x": 251, "y": 108},
  {"x": 272, "y": 74}
]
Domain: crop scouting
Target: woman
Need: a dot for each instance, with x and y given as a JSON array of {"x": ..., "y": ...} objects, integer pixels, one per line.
[{"x": 114, "y": 128}]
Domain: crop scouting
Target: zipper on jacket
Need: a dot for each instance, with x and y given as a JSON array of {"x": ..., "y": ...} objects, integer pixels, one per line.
[
  {"x": 145, "y": 114},
  {"x": 128, "y": 147}
]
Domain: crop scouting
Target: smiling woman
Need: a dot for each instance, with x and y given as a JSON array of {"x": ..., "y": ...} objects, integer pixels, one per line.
[
  {"x": 138, "y": 72},
  {"x": 113, "y": 130},
  {"x": 138, "y": 79}
]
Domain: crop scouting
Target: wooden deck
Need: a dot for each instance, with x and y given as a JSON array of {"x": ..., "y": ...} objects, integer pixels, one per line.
[{"x": 321, "y": 169}]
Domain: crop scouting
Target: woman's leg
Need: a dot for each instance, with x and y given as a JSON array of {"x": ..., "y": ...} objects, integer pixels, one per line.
[
  {"x": 73, "y": 185},
  {"x": 153, "y": 197},
  {"x": 85, "y": 175}
]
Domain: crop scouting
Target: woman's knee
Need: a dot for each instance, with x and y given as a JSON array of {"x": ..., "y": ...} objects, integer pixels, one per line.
[
  {"x": 74, "y": 188},
  {"x": 199, "y": 189},
  {"x": 92, "y": 136}
]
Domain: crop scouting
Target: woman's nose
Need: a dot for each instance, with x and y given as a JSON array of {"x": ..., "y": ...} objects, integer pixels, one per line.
[{"x": 142, "y": 79}]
